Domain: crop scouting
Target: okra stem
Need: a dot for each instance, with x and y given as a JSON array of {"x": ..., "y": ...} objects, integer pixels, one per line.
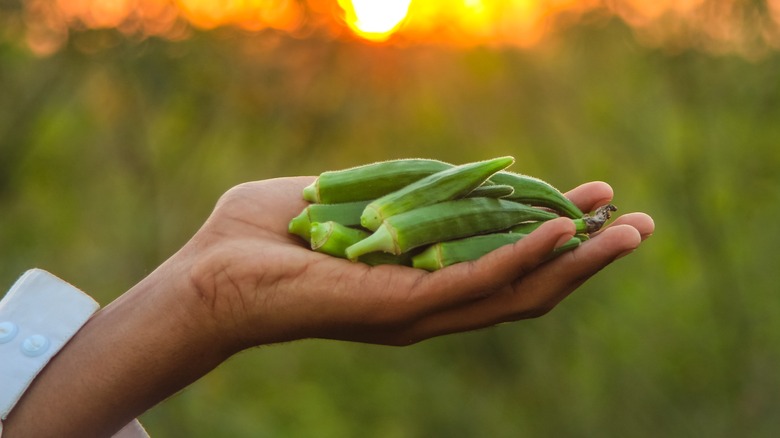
[
  {"x": 333, "y": 238},
  {"x": 346, "y": 213},
  {"x": 300, "y": 225},
  {"x": 383, "y": 239},
  {"x": 311, "y": 192},
  {"x": 598, "y": 219}
]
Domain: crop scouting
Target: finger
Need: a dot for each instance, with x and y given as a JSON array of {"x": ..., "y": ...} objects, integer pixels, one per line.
[
  {"x": 497, "y": 269},
  {"x": 273, "y": 202},
  {"x": 535, "y": 294},
  {"x": 591, "y": 195},
  {"x": 554, "y": 281},
  {"x": 643, "y": 223},
  {"x": 410, "y": 298}
]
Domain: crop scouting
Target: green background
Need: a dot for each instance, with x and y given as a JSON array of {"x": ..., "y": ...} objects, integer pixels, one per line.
[{"x": 111, "y": 158}]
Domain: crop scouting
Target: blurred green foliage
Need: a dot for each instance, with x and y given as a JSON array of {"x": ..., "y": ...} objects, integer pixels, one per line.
[{"x": 112, "y": 155}]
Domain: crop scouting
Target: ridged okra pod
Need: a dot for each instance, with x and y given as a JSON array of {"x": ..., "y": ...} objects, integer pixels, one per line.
[
  {"x": 580, "y": 227},
  {"x": 525, "y": 227},
  {"x": 445, "y": 221},
  {"x": 491, "y": 191},
  {"x": 347, "y": 213},
  {"x": 370, "y": 181},
  {"x": 333, "y": 239},
  {"x": 442, "y": 254},
  {"x": 534, "y": 191},
  {"x": 441, "y": 186}
]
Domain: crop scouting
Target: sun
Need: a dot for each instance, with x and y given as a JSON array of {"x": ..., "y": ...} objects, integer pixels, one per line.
[{"x": 375, "y": 20}]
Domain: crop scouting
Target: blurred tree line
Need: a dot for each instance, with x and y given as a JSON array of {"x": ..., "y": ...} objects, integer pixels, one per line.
[{"x": 113, "y": 152}]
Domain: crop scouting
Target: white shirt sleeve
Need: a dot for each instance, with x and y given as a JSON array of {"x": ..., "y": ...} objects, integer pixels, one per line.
[{"x": 38, "y": 316}]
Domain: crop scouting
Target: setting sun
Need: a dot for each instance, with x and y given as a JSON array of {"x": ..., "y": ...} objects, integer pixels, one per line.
[
  {"x": 464, "y": 23},
  {"x": 375, "y": 20}
]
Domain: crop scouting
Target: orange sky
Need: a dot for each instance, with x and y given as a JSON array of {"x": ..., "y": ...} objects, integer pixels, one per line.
[{"x": 448, "y": 22}]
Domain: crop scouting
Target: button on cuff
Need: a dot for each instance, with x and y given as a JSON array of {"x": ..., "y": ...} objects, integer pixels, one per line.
[
  {"x": 35, "y": 345},
  {"x": 8, "y": 331}
]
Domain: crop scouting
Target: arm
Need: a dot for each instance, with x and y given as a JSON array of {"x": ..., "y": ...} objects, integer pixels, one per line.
[{"x": 242, "y": 281}]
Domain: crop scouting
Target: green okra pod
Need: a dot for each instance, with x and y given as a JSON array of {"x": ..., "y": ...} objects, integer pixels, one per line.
[
  {"x": 346, "y": 213},
  {"x": 443, "y": 254},
  {"x": 441, "y": 186},
  {"x": 383, "y": 258},
  {"x": 447, "y": 253},
  {"x": 333, "y": 238},
  {"x": 534, "y": 191},
  {"x": 526, "y": 227},
  {"x": 580, "y": 227},
  {"x": 370, "y": 181},
  {"x": 446, "y": 220},
  {"x": 491, "y": 191},
  {"x": 570, "y": 244}
]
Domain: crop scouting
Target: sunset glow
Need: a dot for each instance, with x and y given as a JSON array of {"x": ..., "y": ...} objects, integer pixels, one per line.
[
  {"x": 723, "y": 25},
  {"x": 375, "y": 19}
]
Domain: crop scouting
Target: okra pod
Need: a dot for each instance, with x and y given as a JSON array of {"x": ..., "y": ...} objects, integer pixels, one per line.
[
  {"x": 442, "y": 254},
  {"x": 333, "y": 238},
  {"x": 580, "y": 227},
  {"x": 534, "y": 191},
  {"x": 445, "y": 221},
  {"x": 370, "y": 181},
  {"x": 570, "y": 244},
  {"x": 491, "y": 191},
  {"x": 525, "y": 227},
  {"x": 448, "y": 253},
  {"x": 346, "y": 213},
  {"x": 441, "y": 186}
]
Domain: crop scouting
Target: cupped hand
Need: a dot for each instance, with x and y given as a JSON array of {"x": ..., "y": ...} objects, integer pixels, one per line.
[{"x": 264, "y": 285}]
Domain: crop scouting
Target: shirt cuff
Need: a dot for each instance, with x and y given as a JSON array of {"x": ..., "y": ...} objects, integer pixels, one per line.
[{"x": 38, "y": 316}]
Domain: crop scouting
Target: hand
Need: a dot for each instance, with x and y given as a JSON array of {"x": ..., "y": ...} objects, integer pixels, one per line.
[
  {"x": 242, "y": 280},
  {"x": 266, "y": 286}
]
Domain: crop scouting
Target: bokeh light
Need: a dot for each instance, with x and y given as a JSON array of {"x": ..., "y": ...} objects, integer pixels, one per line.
[{"x": 713, "y": 25}]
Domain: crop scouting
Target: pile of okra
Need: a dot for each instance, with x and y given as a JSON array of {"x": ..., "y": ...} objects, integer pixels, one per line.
[{"x": 430, "y": 214}]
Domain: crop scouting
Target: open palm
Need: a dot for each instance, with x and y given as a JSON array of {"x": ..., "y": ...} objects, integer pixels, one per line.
[{"x": 267, "y": 286}]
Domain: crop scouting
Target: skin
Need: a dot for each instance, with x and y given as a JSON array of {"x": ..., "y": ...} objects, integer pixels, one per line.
[{"x": 243, "y": 281}]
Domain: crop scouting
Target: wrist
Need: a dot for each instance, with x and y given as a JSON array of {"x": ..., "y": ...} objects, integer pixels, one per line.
[
  {"x": 215, "y": 295},
  {"x": 145, "y": 346},
  {"x": 173, "y": 292}
]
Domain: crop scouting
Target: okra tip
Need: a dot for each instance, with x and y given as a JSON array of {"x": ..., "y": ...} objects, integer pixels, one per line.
[{"x": 504, "y": 161}]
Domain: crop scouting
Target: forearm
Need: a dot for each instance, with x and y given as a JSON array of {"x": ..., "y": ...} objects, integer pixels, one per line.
[
  {"x": 243, "y": 281},
  {"x": 151, "y": 342}
]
